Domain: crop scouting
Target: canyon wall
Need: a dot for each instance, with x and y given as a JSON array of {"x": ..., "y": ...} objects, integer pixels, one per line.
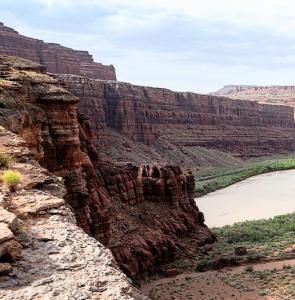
[
  {"x": 145, "y": 114},
  {"x": 173, "y": 125},
  {"x": 56, "y": 58},
  {"x": 145, "y": 214},
  {"x": 43, "y": 253}
]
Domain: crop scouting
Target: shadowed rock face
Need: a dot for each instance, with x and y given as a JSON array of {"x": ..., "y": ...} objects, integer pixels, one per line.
[
  {"x": 146, "y": 215},
  {"x": 52, "y": 257},
  {"x": 145, "y": 114},
  {"x": 56, "y": 58}
]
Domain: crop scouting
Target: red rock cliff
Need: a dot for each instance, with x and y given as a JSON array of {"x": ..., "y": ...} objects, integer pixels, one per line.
[
  {"x": 146, "y": 215},
  {"x": 56, "y": 58},
  {"x": 245, "y": 128}
]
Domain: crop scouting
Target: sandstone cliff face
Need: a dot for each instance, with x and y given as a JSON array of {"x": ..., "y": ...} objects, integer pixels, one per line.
[
  {"x": 146, "y": 215},
  {"x": 144, "y": 114},
  {"x": 56, "y": 58},
  {"x": 52, "y": 258},
  {"x": 274, "y": 95}
]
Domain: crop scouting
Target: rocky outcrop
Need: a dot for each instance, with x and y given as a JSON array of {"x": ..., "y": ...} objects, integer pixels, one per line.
[
  {"x": 274, "y": 95},
  {"x": 52, "y": 257},
  {"x": 173, "y": 220},
  {"x": 56, "y": 58},
  {"x": 146, "y": 215},
  {"x": 144, "y": 114}
]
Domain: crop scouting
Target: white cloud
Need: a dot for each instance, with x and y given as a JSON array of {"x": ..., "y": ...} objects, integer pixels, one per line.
[
  {"x": 274, "y": 15},
  {"x": 187, "y": 44}
]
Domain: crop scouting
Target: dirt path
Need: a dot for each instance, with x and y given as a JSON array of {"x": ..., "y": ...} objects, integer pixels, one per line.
[
  {"x": 267, "y": 266},
  {"x": 212, "y": 285}
]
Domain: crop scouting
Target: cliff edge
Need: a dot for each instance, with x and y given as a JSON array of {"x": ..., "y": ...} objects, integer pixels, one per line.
[
  {"x": 43, "y": 252},
  {"x": 56, "y": 58},
  {"x": 145, "y": 214}
]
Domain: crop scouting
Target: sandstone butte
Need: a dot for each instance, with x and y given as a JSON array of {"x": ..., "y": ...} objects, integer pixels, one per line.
[{"x": 76, "y": 201}]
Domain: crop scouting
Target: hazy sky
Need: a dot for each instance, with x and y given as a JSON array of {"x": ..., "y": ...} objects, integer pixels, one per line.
[{"x": 187, "y": 45}]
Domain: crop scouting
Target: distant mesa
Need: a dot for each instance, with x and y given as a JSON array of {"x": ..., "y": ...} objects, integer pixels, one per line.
[
  {"x": 274, "y": 95},
  {"x": 57, "y": 58},
  {"x": 231, "y": 89}
]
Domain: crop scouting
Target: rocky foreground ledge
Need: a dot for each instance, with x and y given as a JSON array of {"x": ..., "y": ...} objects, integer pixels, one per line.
[{"x": 43, "y": 253}]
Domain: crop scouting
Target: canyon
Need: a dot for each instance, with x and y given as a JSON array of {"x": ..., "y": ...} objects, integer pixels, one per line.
[
  {"x": 144, "y": 124},
  {"x": 110, "y": 200},
  {"x": 113, "y": 155},
  {"x": 173, "y": 124}
]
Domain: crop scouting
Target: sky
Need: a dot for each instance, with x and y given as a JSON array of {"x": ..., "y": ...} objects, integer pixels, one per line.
[{"x": 184, "y": 45}]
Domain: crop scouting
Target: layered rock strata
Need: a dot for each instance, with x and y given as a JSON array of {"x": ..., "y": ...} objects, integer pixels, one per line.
[
  {"x": 274, "y": 95},
  {"x": 145, "y": 114},
  {"x": 49, "y": 256},
  {"x": 56, "y": 58},
  {"x": 146, "y": 215}
]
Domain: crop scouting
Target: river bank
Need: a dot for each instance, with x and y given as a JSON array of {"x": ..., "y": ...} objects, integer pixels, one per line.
[
  {"x": 265, "y": 269},
  {"x": 211, "y": 179},
  {"x": 258, "y": 197},
  {"x": 252, "y": 259}
]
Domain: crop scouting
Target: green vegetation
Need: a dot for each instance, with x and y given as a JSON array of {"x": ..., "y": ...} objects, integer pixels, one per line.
[
  {"x": 11, "y": 179},
  {"x": 265, "y": 240},
  {"x": 217, "y": 178},
  {"x": 257, "y": 231},
  {"x": 204, "y": 265},
  {"x": 278, "y": 284},
  {"x": 248, "y": 269},
  {"x": 269, "y": 238},
  {"x": 5, "y": 159}
]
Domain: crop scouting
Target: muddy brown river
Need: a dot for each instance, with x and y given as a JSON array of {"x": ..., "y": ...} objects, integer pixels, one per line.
[{"x": 258, "y": 197}]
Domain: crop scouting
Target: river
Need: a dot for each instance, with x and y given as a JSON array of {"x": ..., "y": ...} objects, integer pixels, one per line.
[{"x": 258, "y": 197}]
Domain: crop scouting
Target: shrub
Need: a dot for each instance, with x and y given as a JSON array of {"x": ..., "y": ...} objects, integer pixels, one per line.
[
  {"x": 286, "y": 267},
  {"x": 11, "y": 179},
  {"x": 5, "y": 159},
  {"x": 248, "y": 269},
  {"x": 204, "y": 265}
]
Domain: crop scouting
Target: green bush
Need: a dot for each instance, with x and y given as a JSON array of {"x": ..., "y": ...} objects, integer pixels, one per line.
[
  {"x": 248, "y": 269},
  {"x": 11, "y": 179},
  {"x": 263, "y": 230},
  {"x": 204, "y": 265},
  {"x": 5, "y": 159}
]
